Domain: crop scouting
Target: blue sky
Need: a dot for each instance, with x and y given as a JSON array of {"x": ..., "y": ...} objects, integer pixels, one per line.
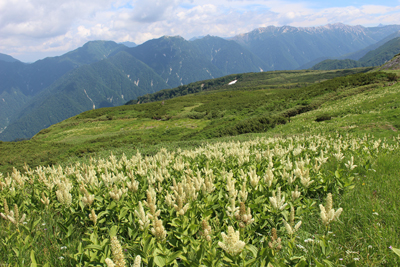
[{"x": 33, "y": 29}]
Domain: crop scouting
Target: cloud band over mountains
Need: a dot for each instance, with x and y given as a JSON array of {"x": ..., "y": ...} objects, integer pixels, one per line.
[{"x": 33, "y": 29}]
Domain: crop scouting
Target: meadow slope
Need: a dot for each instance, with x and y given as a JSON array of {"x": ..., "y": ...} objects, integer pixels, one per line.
[{"x": 226, "y": 177}]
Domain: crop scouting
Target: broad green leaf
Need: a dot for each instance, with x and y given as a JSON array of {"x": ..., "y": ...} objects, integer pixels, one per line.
[
  {"x": 93, "y": 246},
  {"x": 160, "y": 261},
  {"x": 318, "y": 264},
  {"x": 101, "y": 214},
  {"x": 328, "y": 263},
  {"x": 16, "y": 251},
  {"x": 123, "y": 213},
  {"x": 33, "y": 264},
  {"x": 397, "y": 251},
  {"x": 113, "y": 231},
  {"x": 172, "y": 257},
  {"x": 71, "y": 230},
  {"x": 227, "y": 259},
  {"x": 250, "y": 262},
  {"x": 253, "y": 249},
  {"x": 302, "y": 263}
]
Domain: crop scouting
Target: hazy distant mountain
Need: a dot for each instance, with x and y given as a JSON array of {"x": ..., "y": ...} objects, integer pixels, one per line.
[
  {"x": 20, "y": 82},
  {"x": 359, "y": 54},
  {"x": 373, "y": 58},
  {"x": 196, "y": 38},
  {"x": 104, "y": 73},
  {"x": 382, "y": 54},
  {"x": 176, "y": 60},
  {"x": 7, "y": 58},
  {"x": 106, "y": 83},
  {"x": 129, "y": 44},
  {"x": 290, "y": 47},
  {"x": 180, "y": 62},
  {"x": 229, "y": 56}
]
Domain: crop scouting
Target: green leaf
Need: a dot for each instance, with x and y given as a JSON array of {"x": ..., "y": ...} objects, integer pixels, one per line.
[
  {"x": 328, "y": 263},
  {"x": 63, "y": 228},
  {"x": 351, "y": 264},
  {"x": 102, "y": 214},
  {"x": 397, "y": 251},
  {"x": 160, "y": 261},
  {"x": 36, "y": 223},
  {"x": 123, "y": 213},
  {"x": 250, "y": 262},
  {"x": 318, "y": 264},
  {"x": 93, "y": 246},
  {"x": 113, "y": 231},
  {"x": 33, "y": 264},
  {"x": 302, "y": 263},
  {"x": 16, "y": 251},
  {"x": 227, "y": 259},
  {"x": 173, "y": 257},
  {"x": 112, "y": 205},
  {"x": 71, "y": 230},
  {"x": 253, "y": 250}
]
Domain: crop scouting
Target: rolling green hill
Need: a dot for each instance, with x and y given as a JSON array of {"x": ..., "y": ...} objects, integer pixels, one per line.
[
  {"x": 256, "y": 103},
  {"x": 249, "y": 81}
]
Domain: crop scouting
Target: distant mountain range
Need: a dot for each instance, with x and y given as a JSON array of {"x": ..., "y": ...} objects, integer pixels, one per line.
[
  {"x": 7, "y": 58},
  {"x": 376, "y": 57},
  {"x": 104, "y": 73}
]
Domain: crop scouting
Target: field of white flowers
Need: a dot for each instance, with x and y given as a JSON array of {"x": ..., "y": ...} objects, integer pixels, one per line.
[{"x": 223, "y": 204}]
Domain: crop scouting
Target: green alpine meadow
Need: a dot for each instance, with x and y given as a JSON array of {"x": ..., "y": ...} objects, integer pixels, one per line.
[{"x": 279, "y": 168}]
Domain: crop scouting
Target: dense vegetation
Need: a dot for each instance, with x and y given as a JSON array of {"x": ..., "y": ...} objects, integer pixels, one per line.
[
  {"x": 337, "y": 64},
  {"x": 248, "y": 81},
  {"x": 193, "y": 117},
  {"x": 236, "y": 204},
  {"x": 245, "y": 200}
]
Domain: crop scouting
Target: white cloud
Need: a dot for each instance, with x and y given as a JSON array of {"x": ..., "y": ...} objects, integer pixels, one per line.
[{"x": 44, "y": 26}]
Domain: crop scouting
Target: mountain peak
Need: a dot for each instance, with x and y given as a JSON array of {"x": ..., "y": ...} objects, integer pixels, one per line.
[{"x": 7, "y": 58}]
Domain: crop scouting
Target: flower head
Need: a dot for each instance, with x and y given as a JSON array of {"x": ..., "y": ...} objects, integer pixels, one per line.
[{"x": 231, "y": 242}]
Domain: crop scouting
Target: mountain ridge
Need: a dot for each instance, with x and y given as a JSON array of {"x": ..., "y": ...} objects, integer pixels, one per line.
[
  {"x": 373, "y": 58},
  {"x": 168, "y": 62}
]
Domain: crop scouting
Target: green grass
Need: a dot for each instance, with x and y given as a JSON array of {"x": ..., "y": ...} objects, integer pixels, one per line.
[
  {"x": 250, "y": 106},
  {"x": 369, "y": 224}
]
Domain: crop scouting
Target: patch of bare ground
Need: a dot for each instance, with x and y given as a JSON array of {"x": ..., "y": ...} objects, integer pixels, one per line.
[
  {"x": 391, "y": 127},
  {"x": 393, "y": 64}
]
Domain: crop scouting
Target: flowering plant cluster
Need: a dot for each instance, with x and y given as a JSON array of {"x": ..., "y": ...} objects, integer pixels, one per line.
[{"x": 235, "y": 203}]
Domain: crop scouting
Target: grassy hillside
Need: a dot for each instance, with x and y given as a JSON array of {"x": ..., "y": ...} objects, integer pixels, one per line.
[
  {"x": 260, "y": 104},
  {"x": 249, "y": 81},
  {"x": 172, "y": 197}
]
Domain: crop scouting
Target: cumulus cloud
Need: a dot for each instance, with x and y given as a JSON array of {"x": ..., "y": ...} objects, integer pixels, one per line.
[{"x": 33, "y": 28}]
